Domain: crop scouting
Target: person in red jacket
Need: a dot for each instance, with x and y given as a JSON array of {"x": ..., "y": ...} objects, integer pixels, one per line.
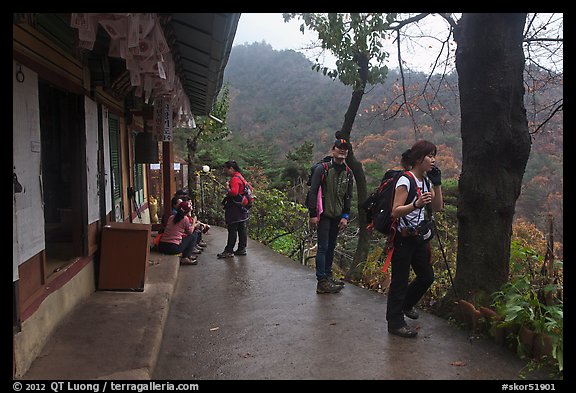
[{"x": 235, "y": 214}]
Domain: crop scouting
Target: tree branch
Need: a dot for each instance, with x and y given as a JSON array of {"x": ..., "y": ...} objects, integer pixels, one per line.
[
  {"x": 449, "y": 19},
  {"x": 402, "y": 23},
  {"x": 409, "y": 109},
  {"x": 558, "y": 108},
  {"x": 268, "y": 241},
  {"x": 543, "y": 40}
]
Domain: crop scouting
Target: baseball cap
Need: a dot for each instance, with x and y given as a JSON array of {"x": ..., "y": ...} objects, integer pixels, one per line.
[
  {"x": 185, "y": 207},
  {"x": 342, "y": 144}
]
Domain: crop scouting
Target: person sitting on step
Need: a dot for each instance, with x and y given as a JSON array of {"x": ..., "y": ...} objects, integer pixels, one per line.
[{"x": 179, "y": 236}]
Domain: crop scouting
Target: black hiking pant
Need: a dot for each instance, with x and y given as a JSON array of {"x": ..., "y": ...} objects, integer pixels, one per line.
[
  {"x": 408, "y": 252},
  {"x": 237, "y": 230},
  {"x": 185, "y": 247}
]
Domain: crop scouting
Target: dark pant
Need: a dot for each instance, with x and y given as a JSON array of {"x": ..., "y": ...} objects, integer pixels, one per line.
[
  {"x": 237, "y": 229},
  {"x": 403, "y": 296},
  {"x": 185, "y": 247},
  {"x": 327, "y": 238}
]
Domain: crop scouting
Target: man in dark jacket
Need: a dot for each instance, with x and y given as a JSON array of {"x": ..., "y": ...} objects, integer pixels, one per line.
[{"x": 329, "y": 207}]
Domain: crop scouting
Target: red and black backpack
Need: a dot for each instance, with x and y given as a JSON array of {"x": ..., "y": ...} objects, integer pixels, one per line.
[
  {"x": 378, "y": 206},
  {"x": 247, "y": 194}
]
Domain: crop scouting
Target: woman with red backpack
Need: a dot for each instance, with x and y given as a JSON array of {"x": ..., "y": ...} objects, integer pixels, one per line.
[{"x": 236, "y": 215}]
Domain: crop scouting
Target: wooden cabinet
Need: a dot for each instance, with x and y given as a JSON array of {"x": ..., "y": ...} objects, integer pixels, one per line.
[{"x": 124, "y": 256}]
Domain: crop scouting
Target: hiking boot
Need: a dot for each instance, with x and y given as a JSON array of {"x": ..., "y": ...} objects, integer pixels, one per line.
[
  {"x": 412, "y": 313},
  {"x": 202, "y": 243},
  {"x": 225, "y": 254},
  {"x": 404, "y": 331},
  {"x": 196, "y": 251},
  {"x": 240, "y": 252},
  {"x": 326, "y": 286},
  {"x": 188, "y": 261},
  {"x": 336, "y": 281}
]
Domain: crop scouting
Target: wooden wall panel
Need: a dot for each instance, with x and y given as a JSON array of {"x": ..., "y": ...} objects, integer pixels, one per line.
[{"x": 31, "y": 275}]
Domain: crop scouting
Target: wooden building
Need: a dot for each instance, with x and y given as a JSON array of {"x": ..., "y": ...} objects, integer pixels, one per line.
[{"x": 94, "y": 97}]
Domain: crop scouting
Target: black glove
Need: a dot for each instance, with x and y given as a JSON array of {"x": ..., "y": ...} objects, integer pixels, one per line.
[{"x": 435, "y": 176}]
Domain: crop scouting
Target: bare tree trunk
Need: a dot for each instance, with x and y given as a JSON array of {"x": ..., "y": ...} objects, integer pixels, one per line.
[
  {"x": 354, "y": 272},
  {"x": 495, "y": 148}
]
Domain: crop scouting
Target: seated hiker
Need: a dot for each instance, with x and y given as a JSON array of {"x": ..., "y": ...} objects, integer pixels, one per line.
[{"x": 179, "y": 235}]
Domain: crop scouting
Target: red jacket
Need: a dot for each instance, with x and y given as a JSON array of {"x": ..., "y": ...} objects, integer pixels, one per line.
[
  {"x": 236, "y": 185},
  {"x": 233, "y": 211}
]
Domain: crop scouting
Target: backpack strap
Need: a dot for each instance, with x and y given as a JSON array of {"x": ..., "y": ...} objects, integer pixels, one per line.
[
  {"x": 388, "y": 259},
  {"x": 414, "y": 189},
  {"x": 427, "y": 207},
  {"x": 243, "y": 182},
  {"x": 325, "y": 165},
  {"x": 349, "y": 171}
]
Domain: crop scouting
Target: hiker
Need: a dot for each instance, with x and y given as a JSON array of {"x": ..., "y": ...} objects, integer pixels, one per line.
[
  {"x": 236, "y": 215},
  {"x": 200, "y": 227},
  {"x": 412, "y": 240},
  {"x": 179, "y": 236},
  {"x": 336, "y": 181},
  {"x": 175, "y": 202},
  {"x": 179, "y": 197}
]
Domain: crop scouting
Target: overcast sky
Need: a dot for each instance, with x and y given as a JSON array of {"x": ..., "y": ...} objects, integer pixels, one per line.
[
  {"x": 418, "y": 54},
  {"x": 272, "y": 29},
  {"x": 258, "y": 27}
]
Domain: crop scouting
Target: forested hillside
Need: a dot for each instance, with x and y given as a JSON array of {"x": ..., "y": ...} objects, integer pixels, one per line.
[{"x": 279, "y": 102}]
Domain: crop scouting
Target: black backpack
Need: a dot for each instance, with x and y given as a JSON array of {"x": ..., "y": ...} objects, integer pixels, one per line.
[
  {"x": 324, "y": 162},
  {"x": 378, "y": 205}
]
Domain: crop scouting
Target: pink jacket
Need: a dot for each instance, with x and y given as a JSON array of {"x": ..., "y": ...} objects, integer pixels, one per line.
[{"x": 174, "y": 232}]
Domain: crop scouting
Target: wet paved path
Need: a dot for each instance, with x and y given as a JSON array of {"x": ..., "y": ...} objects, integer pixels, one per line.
[{"x": 258, "y": 317}]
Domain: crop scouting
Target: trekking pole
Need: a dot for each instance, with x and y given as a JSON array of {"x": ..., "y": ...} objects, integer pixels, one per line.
[{"x": 446, "y": 261}]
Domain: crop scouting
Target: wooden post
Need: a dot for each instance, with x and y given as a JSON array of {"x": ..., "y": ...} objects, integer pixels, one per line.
[
  {"x": 168, "y": 183},
  {"x": 550, "y": 246}
]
